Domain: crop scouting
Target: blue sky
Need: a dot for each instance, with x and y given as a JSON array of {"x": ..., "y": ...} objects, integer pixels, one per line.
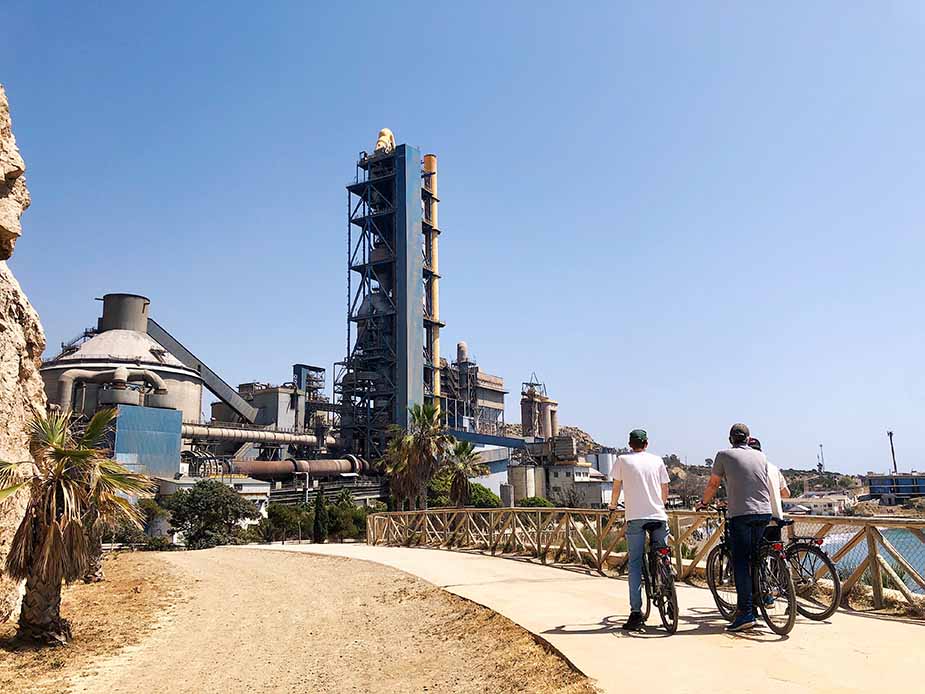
[{"x": 678, "y": 215}]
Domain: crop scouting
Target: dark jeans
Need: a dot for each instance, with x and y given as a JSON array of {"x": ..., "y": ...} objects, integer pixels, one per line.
[{"x": 746, "y": 532}]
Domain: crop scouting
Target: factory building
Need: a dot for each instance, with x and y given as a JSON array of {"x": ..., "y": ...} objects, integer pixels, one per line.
[
  {"x": 118, "y": 363},
  {"x": 290, "y": 435},
  {"x": 472, "y": 400}
]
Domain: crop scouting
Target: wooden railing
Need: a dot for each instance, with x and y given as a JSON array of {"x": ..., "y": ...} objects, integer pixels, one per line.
[{"x": 597, "y": 539}]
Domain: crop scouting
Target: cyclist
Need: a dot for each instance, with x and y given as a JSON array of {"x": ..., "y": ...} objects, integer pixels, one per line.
[
  {"x": 643, "y": 479},
  {"x": 777, "y": 484},
  {"x": 748, "y": 497}
]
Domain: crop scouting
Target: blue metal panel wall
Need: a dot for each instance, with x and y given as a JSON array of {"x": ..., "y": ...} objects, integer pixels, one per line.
[
  {"x": 148, "y": 440},
  {"x": 410, "y": 277}
]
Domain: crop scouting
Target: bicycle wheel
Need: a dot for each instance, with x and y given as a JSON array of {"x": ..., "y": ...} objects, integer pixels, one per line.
[
  {"x": 721, "y": 579},
  {"x": 815, "y": 580},
  {"x": 646, "y": 590},
  {"x": 668, "y": 598},
  {"x": 775, "y": 596}
]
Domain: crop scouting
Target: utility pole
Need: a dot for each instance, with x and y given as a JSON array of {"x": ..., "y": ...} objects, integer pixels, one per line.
[{"x": 893, "y": 453}]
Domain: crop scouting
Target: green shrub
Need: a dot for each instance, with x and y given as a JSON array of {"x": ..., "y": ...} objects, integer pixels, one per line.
[
  {"x": 481, "y": 496},
  {"x": 536, "y": 502},
  {"x": 159, "y": 544}
]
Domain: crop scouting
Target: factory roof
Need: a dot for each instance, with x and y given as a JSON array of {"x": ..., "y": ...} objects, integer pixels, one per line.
[{"x": 120, "y": 345}]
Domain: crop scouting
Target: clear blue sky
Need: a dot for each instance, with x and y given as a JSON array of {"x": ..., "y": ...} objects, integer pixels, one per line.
[{"x": 680, "y": 215}]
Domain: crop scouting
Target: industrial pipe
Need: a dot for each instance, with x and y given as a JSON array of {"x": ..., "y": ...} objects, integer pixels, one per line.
[
  {"x": 433, "y": 253},
  {"x": 220, "y": 433},
  {"x": 119, "y": 377},
  {"x": 274, "y": 470}
]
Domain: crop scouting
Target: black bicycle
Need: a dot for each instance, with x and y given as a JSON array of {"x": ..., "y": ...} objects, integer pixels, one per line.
[
  {"x": 772, "y": 583},
  {"x": 658, "y": 582},
  {"x": 815, "y": 578}
]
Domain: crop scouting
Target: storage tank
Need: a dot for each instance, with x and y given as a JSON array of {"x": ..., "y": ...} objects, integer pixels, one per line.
[
  {"x": 122, "y": 364},
  {"x": 523, "y": 479},
  {"x": 605, "y": 463}
]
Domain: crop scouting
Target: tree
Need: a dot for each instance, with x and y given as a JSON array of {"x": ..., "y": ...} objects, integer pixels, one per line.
[
  {"x": 320, "y": 524},
  {"x": 414, "y": 455},
  {"x": 209, "y": 514},
  {"x": 73, "y": 488},
  {"x": 463, "y": 464}
]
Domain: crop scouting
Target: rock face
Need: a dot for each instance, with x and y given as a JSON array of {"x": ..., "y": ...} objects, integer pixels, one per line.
[{"x": 21, "y": 345}]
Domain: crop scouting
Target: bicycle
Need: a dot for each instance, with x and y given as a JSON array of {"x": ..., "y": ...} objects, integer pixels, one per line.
[
  {"x": 815, "y": 578},
  {"x": 772, "y": 584},
  {"x": 658, "y": 582}
]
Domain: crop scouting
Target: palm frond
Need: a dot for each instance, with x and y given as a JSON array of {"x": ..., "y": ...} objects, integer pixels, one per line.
[
  {"x": 10, "y": 491},
  {"x": 96, "y": 431}
]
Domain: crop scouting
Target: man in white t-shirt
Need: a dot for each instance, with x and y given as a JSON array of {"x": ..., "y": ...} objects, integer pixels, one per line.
[
  {"x": 777, "y": 486},
  {"x": 643, "y": 479}
]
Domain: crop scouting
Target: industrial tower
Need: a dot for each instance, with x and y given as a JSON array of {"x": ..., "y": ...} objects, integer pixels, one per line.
[{"x": 393, "y": 323}]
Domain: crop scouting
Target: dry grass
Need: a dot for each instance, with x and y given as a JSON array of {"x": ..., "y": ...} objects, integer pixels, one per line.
[{"x": 105, "y": 617}]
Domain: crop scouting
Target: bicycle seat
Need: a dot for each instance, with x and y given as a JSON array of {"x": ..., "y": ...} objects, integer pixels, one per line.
[{"x": 786, "y": 523}]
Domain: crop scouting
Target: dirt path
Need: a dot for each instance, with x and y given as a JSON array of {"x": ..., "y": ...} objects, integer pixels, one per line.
[
  {"x": 139, "y": 590},
  {"x": 255, "y": 622}
]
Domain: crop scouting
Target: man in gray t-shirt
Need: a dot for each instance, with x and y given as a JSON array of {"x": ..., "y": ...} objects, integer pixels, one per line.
[{"x": 745, "y": 472}]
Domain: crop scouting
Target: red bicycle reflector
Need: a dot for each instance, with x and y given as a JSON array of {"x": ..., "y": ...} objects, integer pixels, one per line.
[
  {"x": 664, "y": 551},
  {"x": 777, "y": 546},
  {"x": 819, "y": 541}
]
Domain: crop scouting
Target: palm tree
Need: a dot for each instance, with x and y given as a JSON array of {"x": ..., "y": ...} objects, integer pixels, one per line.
[
  {"x": 415, "y": 454},
  {"x": 72, "y": 487},
  {"x": 464, "y": 463}
]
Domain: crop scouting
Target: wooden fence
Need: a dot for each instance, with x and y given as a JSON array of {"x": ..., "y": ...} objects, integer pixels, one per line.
[{"x": 597, "y": 539}]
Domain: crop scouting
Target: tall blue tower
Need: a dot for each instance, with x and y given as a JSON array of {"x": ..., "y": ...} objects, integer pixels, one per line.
[{"x": 383, "y": 373}]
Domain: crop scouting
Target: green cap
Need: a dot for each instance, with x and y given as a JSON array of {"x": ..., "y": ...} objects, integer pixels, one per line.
[{"x": 638, "y": 436}]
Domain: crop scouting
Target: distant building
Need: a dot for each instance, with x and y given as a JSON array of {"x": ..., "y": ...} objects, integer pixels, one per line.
[
  {"x": 892, "y": 489},
  {"x": 819, "y": 504}
]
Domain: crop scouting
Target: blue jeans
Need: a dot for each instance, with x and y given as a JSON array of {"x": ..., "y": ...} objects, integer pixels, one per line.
[
  {"x": 746, "y": 533},
  {"x": 636, "y": 545}
]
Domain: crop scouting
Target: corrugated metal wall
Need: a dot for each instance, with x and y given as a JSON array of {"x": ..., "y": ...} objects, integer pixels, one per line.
[{"x": 148, "y": 440}]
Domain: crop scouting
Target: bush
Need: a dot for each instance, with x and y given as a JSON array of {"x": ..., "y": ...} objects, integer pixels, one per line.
[
  {"x": 126, "y": 534},
  {"x": 159, "y": 544},
  {"x": 483, "y": 497},
  {"x": 536, "y": 502},
  {"x": 287, "y": 522}
]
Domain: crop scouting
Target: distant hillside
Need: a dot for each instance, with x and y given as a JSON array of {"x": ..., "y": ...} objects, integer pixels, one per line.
[{"x": 586, "y": 443}]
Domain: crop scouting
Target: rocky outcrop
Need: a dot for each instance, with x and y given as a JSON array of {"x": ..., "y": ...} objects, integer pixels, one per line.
[{"x": 21, "y": 345}]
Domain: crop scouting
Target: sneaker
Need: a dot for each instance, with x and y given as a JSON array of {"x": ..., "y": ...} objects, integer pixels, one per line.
[
  {"x": 742, "y": 622},
  {"x": 768, "y": 601},
  {"x": 635, "y": 622}
]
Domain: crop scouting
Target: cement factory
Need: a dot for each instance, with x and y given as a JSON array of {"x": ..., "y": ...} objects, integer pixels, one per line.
[{"x": 283, "y": 442}]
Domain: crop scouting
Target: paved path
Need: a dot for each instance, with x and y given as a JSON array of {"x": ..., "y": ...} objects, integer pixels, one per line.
[{"x": 580, "y": 615}]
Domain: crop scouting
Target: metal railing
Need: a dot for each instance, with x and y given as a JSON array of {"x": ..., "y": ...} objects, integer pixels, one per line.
[{"x": 884, "y": 558}]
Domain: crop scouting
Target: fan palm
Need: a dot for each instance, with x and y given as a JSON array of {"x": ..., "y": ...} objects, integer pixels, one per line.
[
  {"x": 415, "y": 454},
  {"x": 463, "y": 464},
  {"x": 72, "y": 487}
]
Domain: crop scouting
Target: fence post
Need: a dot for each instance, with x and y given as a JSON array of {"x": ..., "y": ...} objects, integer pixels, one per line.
[
  {"x": 876, "y": 579},
  {"x": 539, "y": 534},
  {"x": 599, "y": 524},
  {"x": 676, "y": 534}
]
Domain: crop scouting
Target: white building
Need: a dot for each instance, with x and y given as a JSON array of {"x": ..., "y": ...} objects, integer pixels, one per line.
[{"x": 819, "y": 504}]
